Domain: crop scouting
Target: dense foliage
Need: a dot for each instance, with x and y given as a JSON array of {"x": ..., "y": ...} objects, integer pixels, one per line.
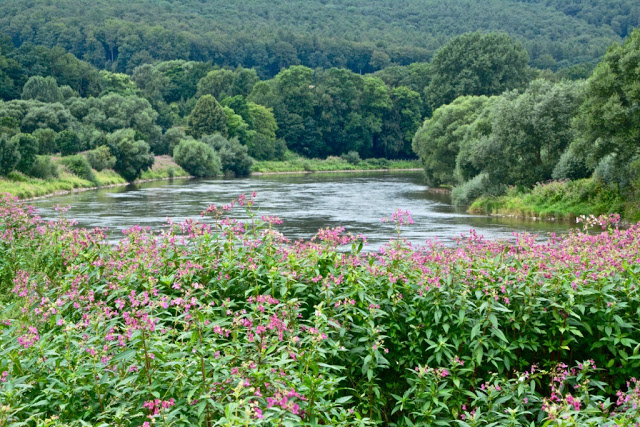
[
  {"x": 222, "y": 322},
  {"x": 360, "y": 35},
  {"x": 549, "y": 130}
]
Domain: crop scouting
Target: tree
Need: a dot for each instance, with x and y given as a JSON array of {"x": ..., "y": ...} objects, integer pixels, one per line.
[
  {"x": 132, "y": 156},
  {"x": 12, "y": 74},
  {"x": 197, "y": 158},
  {"x": 477, "y": 64},
  {"x": 262, "y": 120},
  {"x": 207, "y": 117},
  {"x": 43, "y": 89},
  {"x": 170, "y": 140},
  {"x": 400, "y": 124},
  {"x": 530, "y": 132},
  {"x": 244, "y": 80},
  {"x": 40, "y": 115},
  {"x": 68, "y": 142},
  {"x": 112, "y": 112},
  {"x": 9, "y": 154},
  {"x": 264, "y": 145},
  {"x": 46, "y": 141},
  {"x": 234, "y": 156},
  {"x": 28, "y": 148},
  {"x": 609, "y": 119},
  {"x": 237, "y": 127},
  {"x": 437, "y": 142},
  {"x": 217, "y": 83},
  {"x": 100, "y": 158}
]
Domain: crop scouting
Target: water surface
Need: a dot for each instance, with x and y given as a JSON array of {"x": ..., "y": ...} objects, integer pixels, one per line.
[{"x": 356, "y": 201}]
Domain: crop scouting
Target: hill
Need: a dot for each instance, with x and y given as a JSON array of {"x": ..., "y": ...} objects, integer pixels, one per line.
[{"x": 361, "y": 35}]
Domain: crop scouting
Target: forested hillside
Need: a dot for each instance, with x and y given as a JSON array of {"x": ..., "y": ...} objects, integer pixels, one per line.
[{"x": 361, "y": 35}]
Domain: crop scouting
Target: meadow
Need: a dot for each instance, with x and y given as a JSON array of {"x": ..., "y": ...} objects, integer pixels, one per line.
[{"x": 221, "y": 322}]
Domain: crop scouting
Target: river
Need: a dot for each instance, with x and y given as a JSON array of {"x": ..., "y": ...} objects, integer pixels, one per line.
[{"x": 305, "y": 203}]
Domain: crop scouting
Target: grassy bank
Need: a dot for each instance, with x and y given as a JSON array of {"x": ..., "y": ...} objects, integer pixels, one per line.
[
  {"x": 301, "y": 164},
  {"x": 559, "y": 200},
  {"x": 25, "y": 187}
]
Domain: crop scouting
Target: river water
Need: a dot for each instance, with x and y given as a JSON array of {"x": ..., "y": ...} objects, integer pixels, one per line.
[{"x": 305, "y": 203}]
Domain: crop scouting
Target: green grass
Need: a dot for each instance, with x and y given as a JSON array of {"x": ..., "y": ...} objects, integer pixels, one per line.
[
  {"x": 332, "y": 163},
  {"x": 25, "y": 187},
  {"x": 164, "y": 167},
  {"x": 560, "y": 200}
]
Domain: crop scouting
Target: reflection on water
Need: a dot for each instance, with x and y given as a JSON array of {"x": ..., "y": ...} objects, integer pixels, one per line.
[{"x": 304, "y": 202}]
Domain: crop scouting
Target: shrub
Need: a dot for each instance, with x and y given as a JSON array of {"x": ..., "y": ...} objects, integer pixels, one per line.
[
  {"x": 233, "y": 155},
  {"x": 197, "y": 158},
  {"x": 607, "y": 171},
  {"x": 481, "y": 185},
  {"x": 43, "y": 168},
  {"x": 352, "y": 157},
  {"x": 79, "y": 166},
  {"x": 570, "y": 166},
  {"x": 101, "y": 158},
  {"x": 378, "y": 163}
]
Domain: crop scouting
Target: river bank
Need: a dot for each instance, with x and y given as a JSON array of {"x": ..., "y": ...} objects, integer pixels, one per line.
[
  {"x": 332, "y": 164},
  {"x": 559, "y": 201},
  {"x": 28, "y": 188}
]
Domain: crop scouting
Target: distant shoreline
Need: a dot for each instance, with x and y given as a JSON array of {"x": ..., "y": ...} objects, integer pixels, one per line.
[{"x": 141, "y": 181}]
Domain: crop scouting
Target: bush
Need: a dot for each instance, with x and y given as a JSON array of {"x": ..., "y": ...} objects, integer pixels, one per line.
[
  {"x": 197, "y": 158},
  {"x": 481, "y": 185},
  {"x": 570, "y": 166},
  {"x": 378, "y": 163},
  {"x": 101, "y": 158},
  {"x": 43, "y": 168},
  {"x": 79, "y": 166},
  {"x": 607, "y": 171},
  {"x": 352, "y": 157},
  {"x": 233, "y": 155}
]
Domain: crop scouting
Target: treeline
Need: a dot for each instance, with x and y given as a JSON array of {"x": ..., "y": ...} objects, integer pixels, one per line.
[
  {"x": 54, "y": 103},
  {"x": 561, "y": 130},
  {"x": 360, "y": 35}
]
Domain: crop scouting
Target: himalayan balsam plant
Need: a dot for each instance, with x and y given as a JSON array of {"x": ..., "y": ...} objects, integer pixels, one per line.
[{"x": 219, "y": 322}]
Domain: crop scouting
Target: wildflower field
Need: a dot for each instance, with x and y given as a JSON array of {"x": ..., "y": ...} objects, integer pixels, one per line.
[{"x": 226, "y": 323}]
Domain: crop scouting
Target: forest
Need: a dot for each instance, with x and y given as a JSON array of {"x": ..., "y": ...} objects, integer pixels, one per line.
[
  {"x": 530, "y": 108},
  {"x": 462, "y": 104},
  {"x": 363, "y": 36}
]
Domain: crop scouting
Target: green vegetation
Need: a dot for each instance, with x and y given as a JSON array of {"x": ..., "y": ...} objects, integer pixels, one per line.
[
  {"x": 221, "y": 322},
  {"x": 359, "y": 35},
  {"x": 301, "y": 164},
  {"x": 562, "y": 200},
  {"x": 63, "y": 180},
  {"x": 562, "y": 130},
  {"x": 197, "y": 158}
]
